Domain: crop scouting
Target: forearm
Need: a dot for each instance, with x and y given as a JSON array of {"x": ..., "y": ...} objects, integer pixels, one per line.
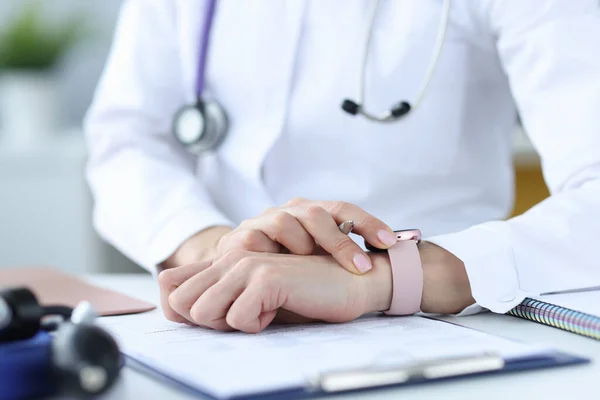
[{"x": 446, "y": 288}]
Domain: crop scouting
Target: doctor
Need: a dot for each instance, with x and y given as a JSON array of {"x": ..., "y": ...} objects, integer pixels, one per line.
[{"x": 228, "y": 139}]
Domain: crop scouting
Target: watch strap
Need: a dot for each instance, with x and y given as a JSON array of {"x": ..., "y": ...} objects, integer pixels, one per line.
[{"x": 407, "y": 278}]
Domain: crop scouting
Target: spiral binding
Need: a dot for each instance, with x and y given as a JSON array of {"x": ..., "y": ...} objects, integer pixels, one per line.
[{"x": 558, "y": 317}]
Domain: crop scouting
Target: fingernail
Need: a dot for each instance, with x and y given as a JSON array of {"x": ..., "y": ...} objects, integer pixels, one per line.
[
  {"x": 387, "y": 237},
  {"x": 361, "y": 262}
]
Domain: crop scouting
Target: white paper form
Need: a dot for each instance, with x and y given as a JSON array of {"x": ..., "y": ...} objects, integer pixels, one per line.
[{"x": 283, "y": 357}]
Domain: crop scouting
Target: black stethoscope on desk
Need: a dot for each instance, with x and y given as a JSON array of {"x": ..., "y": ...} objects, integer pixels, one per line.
[
  {"x": 81, "y": 360},
  {"x": 200, "y": 127}
]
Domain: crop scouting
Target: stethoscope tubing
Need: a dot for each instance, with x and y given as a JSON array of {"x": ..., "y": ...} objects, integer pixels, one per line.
[
  {"x": 212, "y": 126},
  {"x": 439, "y": 44}
]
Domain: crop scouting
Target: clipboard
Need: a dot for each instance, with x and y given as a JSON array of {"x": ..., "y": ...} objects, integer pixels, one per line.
[
  {"x": 337, "y": 383},
  {"x": 361, "y": 379}
]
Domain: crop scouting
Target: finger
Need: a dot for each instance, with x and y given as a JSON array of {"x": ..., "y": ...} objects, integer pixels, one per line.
[
  {"x": 210, "y": 309},
  {"x": 247, "y": 238},
  {"x": 296, "y": 201},
  {"x": 372, "y": 229},
  {"x": 171, "y": 279},
  {"x": 283, "y": 228},
  {"x": 185, "y": 295},
  {"x": 248, "y": 312},
  {"x": 324, "y": 229},
  {"x": 256, "y": 307}
]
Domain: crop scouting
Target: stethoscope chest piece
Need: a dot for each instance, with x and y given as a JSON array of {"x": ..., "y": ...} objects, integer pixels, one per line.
[{"x": 200, "y": 127}]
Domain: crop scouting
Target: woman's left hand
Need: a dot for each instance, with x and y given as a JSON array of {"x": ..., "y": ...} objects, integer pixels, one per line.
[
  {"x": 244, "y": 291},
  {"x": 306, "y": 227}
]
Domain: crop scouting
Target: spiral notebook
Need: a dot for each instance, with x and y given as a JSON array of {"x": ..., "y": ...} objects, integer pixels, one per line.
[{"x": 573, "y": 312}]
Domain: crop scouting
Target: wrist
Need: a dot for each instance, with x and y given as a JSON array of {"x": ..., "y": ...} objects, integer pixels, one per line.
[
  {"x": 378, "y": 284},
  {"x": 199, "y": 247},
  {"x": 446, "y": 288}
]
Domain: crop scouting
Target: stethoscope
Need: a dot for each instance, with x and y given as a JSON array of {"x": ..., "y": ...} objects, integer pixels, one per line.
[
  {"x": 202, "y": 126},
  {"x": 63, "y": 350}
]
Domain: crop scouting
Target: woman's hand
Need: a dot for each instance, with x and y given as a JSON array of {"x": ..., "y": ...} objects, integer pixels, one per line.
[
  {"x": 306, "y": 227},
  {"x": 300, "y": 227},
  {"x": 244, "y": 290}
]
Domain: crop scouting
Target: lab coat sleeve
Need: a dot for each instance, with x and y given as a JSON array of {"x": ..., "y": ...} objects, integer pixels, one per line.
[
  {"x": 550, "y": 51},
  {"x": 148, "y": 199}
]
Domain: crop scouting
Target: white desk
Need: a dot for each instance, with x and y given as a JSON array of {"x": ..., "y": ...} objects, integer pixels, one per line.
[{"x": 574, "y": 382}]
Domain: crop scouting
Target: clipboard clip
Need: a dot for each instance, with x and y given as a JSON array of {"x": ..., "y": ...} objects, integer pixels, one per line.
[{"x": 340, "y": 381}]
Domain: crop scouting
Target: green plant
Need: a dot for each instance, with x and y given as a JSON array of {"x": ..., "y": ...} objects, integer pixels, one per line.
[{"x": 29, "y": 42}]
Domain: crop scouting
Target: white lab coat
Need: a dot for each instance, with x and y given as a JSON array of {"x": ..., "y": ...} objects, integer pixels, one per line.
[{"x": 282, "y": 68}]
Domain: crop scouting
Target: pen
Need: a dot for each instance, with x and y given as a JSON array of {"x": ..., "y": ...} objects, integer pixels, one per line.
[{"x": 346, "y": 226}]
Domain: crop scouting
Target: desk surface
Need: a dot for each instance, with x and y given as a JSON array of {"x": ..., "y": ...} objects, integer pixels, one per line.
[{"x": 575, "y": 382}]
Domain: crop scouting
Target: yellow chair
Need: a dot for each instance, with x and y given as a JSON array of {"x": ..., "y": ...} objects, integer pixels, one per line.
[{"x": 530, "y": 187}]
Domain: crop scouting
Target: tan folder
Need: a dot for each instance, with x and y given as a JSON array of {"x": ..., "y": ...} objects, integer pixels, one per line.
[{"x": 54, "y": 287}]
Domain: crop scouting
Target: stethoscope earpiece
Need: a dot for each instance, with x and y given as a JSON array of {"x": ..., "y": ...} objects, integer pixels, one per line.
[
  {"x": 403, "y": 108},
  {"x": 398, "y": 111},
  {"x": 350, "y": 107}
]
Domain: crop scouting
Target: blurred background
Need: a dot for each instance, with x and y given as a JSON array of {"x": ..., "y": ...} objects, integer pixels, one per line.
[{"x": 51, "y": 62}]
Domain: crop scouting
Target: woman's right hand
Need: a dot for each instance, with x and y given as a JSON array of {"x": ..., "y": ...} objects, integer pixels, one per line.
[{"x": 307, "y": 227}]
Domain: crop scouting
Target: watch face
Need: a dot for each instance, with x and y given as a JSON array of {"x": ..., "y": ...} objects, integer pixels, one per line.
[
  {"x": 404, "y": 234},
  {"x": 409, "y": 234}
]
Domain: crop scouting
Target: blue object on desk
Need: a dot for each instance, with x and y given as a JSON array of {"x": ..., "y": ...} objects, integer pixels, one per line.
[{"x": 25, "y": 368}]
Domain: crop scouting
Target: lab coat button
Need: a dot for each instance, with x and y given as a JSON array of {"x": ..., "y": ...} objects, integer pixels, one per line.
[{"x": 507, "y": 298}]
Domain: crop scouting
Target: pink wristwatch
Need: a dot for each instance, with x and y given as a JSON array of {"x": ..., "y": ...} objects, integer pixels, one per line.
[{"x": 407, "y": 272}]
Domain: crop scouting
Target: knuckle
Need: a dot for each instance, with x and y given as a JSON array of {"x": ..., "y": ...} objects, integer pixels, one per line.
[
  {"x": 370, "y": 222},
  {"x": 266, "y": 275},
  {"x": 339, "y": 207},
  {"x": 342, "y": 244},
  {"x": 176, "y": 302},
  {"x": 245, "y": 264},
  {"x": 224, "y": 243},
  {"x": 167, "y": 280},
  {"x": 200, "y": 315},
  {"x": 270, "y": 210},
  {"x": 235, "y": 255},
  {"x": 282, "y": 220},
  {"x": 248, "y": 239},
  {"x": 296, "y": 201},
  {"x": 315, "y": 213}
]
